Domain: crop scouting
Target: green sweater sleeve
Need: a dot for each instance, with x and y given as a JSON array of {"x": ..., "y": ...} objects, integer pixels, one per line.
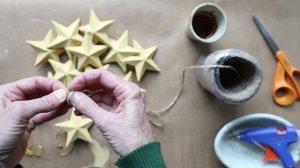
[{"x": 147, "y": 156}]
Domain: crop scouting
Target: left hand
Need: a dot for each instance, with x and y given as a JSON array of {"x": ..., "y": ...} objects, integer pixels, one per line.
[
  {"x": 118, "y": 110},
  {"x": 39, "y": 98}
]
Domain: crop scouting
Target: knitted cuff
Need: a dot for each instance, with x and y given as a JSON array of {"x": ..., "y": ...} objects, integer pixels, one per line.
[
  {"x": 147, "y": 156},
  {"x": 2, "y": 165},
  {"x": 19, "y": 166}
]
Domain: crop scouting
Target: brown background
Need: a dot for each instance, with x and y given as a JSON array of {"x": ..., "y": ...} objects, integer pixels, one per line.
[{"x": 187, "y": 139}]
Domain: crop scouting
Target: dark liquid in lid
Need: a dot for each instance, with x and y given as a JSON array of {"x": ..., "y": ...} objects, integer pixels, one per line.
[{"x": 204, "y": 24}]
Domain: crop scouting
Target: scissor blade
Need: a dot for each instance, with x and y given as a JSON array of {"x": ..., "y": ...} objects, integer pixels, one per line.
[{"x": 267, "y": 36}]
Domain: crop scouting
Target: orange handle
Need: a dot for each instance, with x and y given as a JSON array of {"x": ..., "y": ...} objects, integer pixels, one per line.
[
  {"x": 291, "y": 71},
  {"x": 285, "y": 62},
  {"x": 283, "y": 93},
  {"x": 285, "y": 88}
]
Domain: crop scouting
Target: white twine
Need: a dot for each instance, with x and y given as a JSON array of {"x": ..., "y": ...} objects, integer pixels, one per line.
[{"x": 155, "y": 116}]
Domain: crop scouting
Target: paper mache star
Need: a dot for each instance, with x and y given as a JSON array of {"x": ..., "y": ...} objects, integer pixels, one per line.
[
  {"x": 88, "y": 53},
  {"x": 43, "y": 52},
  {"x": 97, "y": 28},
  {"x": 64, "y": 72},
  {"x": 119, "y": 51},
  {"x": 143, "y": 61},
  {"x": 76, "y": 128},
  {"x": 66, "y": 36}
]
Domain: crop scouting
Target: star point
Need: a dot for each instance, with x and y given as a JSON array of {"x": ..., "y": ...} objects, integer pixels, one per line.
[
  {"x": 143, "y": 61},
  {"x": 67, "y": 36},
  {"x": 43, "y": 52},
  {"x": 128, "y": 77},
  {"x": 50, "y": 75},
  {"x": 76, "y": 128},
  {"x": 97, "y": 28}
]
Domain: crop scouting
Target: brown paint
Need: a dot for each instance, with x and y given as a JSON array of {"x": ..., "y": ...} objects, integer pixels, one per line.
[{"x": 204, "y": 24}]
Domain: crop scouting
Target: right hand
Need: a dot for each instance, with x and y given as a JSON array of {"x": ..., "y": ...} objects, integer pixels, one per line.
[{"x": 118, "y": 110}]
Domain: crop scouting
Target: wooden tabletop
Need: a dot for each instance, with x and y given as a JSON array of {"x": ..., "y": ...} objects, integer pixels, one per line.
[{"x": 191, "y": 125}]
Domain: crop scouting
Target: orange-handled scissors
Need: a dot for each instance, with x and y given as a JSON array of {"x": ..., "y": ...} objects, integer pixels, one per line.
[{"x": 285, "y": 86}]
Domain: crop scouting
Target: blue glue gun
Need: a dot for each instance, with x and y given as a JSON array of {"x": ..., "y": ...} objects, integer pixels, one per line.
[{"x": 276, "y": 138}]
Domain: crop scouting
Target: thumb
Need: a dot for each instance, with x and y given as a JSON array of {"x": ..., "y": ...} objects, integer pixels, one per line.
[
  {"x": 88, "y": 107},
  {"x": 46, "y": 103}
]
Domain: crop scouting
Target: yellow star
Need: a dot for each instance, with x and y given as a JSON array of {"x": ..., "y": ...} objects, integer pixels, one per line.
[
  {"x": 43, "y": 52},
  {"x": 120, "y": 50},
  {"x": 88, "y": 68},
  {"x": 88, "y": 53},
  {"x": 76, "y": 128},
  {"x": 64, "y": 72},
  {"x": 66, "y": 36},
  {"x": 97, "y": 28},
  {"x": 143, "y": 61}
]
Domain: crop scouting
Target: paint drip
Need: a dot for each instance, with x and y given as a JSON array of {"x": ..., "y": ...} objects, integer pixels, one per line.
[{"x": 225, "y": 84}]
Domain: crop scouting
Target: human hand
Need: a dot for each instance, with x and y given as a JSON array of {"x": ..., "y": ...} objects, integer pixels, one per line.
[
  {"x": 117, "y": 109},
  {"x": 39, "y": 98}
]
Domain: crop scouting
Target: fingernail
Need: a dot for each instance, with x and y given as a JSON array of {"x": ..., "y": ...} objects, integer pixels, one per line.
[
  {"x": 75, "y": 97},
  {"x": 61, "y": 94}
]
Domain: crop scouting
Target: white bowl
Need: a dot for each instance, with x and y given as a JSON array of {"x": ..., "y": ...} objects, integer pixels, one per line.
[{"x": 234, "y": 153}]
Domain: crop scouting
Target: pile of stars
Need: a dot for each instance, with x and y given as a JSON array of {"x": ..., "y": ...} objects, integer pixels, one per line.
[{"x": 89, "y": 47}]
